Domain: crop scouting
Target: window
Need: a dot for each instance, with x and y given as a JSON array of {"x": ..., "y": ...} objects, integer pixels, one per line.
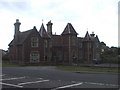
[
  {"x": 34, "y": 42},
  {"x": 34, "y": 57},
  {"x": 46, "y": 43}
]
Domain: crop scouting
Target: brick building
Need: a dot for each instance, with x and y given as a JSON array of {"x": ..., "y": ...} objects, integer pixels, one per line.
[{"x": 33, "y": 46}]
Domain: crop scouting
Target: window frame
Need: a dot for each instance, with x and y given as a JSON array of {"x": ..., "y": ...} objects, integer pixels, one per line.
[
  {"x": 34, "y": 57},
  {"x": 34, "y": 41}
]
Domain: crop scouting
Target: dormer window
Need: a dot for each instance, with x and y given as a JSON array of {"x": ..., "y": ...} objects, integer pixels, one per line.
[{"x": 34, "y": 42}]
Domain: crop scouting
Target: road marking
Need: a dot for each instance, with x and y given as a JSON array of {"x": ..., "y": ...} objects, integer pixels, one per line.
[
  {"x": 67, "y": 86},
  {"x": 101, "y": 84},
  {"x": 12, "y": 78},
  {"x": 33, "y": 82},
  {"x": 11, "y": 85}
]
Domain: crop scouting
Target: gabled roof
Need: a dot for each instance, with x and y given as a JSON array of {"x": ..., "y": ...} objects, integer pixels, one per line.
[
  {"x": 69, "y": 30},
  {"x": 97, "y": 39},
  {"x": 80, "y": 38},
  {"x": 87, "y": 37},
  {"x": 43, "y": 32},
  {"x": 11, "y": 43},
  {"x": 22, "y": 37}
]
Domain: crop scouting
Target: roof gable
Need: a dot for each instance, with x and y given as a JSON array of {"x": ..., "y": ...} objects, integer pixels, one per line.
[
  {"x": 43, "y": 32},
  {"x": 69, "y": 29},
  {"x": 87, "y": 37},
  {"x": 22, "y": 37},
  {"x": 97, "y": 39}
]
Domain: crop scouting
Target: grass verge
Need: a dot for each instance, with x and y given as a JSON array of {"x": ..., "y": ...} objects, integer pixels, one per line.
[
  {"x": 9, "y": 65},
  {"x": 72, "y": 68},
  {"x": 90, "y": 69}
]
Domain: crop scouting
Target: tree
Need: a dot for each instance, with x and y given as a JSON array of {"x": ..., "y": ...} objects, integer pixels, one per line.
[{"x": 110, "y": 55}]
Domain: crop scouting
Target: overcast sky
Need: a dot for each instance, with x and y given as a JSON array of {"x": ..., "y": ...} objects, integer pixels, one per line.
[{"x": 100, "y": 16}]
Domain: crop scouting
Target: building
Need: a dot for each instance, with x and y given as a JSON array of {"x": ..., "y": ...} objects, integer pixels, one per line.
[{"x": 33, "y": 46}]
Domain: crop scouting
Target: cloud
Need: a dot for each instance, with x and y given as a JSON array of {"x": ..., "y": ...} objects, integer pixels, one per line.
[
  {"x": 99, "y": 16},
  {"x": 15, "y": 5}
]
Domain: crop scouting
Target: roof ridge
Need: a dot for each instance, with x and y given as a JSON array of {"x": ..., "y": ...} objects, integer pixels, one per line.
[{"x": 26, "y": 31}]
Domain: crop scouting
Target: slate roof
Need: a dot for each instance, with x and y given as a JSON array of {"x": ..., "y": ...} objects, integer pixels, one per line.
[
  {"x": 97, "y": 39},
  {"x": 91, "y": 38},
  {"x": 43, "y": 32},
  {"x": 87, "y": 37},
  {"x": 80, "y": 39},
  {"x": 22, "y": 37},
  {"x": 69, "y": 29}
]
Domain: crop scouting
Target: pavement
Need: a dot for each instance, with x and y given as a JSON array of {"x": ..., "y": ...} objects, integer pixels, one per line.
[{"x": 51, "y": 78}]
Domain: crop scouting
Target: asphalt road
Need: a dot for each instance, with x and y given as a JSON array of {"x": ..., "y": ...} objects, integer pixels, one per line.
[{"x": 54, "y": 79}]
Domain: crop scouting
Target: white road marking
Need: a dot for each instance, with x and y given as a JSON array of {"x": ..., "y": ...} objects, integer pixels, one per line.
[
  {"x": 101, "y": 84},
  {"x": 33, "y": 82},
  {"x": 67, "y": 86},
  {"x": 12, "y": 78},
  {"x": 11, "y": 85}
]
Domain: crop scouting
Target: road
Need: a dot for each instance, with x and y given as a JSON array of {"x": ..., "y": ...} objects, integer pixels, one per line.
[{"x": 54, "y": 79}]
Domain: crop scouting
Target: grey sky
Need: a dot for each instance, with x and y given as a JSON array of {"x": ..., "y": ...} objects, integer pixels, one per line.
[{"x": 100, "y": 16}]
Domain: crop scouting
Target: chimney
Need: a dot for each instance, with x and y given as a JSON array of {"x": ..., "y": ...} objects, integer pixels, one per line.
[
  {"x": 49, "y": 28},
  {"x": 17, "y": 32},
  {"x": 92, "y": 35},
  {"x": 17, "y": 26}
]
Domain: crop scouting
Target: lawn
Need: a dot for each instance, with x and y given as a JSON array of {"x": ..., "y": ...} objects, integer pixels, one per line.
[
  {"x": 4, "y": 64},
  {"x": 73, "y": 68},
  {"x": 90, "y": 69}
]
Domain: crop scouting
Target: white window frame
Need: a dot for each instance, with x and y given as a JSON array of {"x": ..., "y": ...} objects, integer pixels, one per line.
[
  {"x": 34, "y": 57},
  {"x": 34, "y": 42}
]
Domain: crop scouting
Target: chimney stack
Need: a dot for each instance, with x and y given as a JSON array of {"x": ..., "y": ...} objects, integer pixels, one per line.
[
  {"x": 49, "y": 28},
  {"x": 17, "y": 26},
  {"x": 92, "y": 35}
]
